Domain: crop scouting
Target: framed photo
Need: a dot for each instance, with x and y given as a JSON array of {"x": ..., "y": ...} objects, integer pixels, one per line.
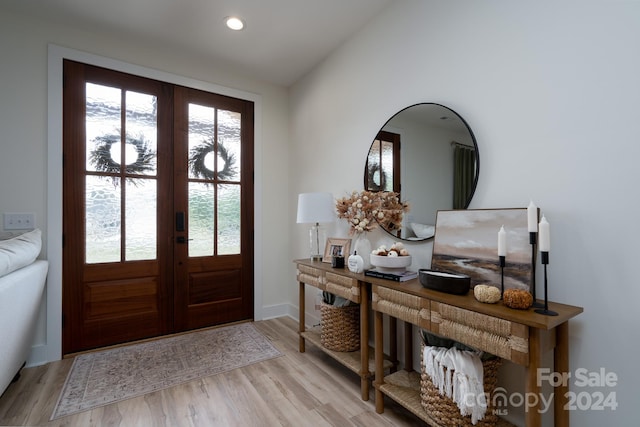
[
  {"x": 336, "y": 247},
  {"x": 466, "y": 242}
]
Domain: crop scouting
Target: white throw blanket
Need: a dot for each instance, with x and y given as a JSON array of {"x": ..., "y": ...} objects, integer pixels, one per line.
[{"x": 465, "y": 387}]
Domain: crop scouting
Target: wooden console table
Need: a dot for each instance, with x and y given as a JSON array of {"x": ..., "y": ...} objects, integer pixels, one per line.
[
  {"x": 521, "y": 336},
  {"x": 338, "y": 281}
]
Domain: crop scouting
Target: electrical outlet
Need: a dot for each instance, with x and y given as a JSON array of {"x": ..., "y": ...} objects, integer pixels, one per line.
[{"x": 19, "y": 221}]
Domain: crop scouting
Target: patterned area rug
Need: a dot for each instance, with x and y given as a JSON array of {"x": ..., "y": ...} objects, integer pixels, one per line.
[{"x": 105, "y": 377}]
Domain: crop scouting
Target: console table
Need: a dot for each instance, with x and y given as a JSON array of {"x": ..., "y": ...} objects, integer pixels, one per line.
[
  {"x": 521, "y": 336},
  {"x": 338, "y": 281}
]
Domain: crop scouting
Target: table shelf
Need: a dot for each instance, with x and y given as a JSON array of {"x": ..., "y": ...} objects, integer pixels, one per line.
[
  {"x": 404, "y": 388},
  {"x": 350, "y": 359}
]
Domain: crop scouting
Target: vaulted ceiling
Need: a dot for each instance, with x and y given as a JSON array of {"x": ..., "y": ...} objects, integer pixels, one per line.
[{"x": 281, "y": 42}]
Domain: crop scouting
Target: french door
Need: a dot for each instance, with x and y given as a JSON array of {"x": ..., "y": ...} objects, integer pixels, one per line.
[{"x": 157, "y": 208}]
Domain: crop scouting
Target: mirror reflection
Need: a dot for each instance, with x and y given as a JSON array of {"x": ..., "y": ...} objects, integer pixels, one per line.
[{"x": 428, "y": 154}]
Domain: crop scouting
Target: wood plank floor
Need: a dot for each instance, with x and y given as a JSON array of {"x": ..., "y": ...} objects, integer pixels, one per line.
[{"x": 298, "y": 389}]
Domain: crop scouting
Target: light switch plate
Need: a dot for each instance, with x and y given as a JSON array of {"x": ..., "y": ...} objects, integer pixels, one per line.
[{"x": 19, "y": 220}]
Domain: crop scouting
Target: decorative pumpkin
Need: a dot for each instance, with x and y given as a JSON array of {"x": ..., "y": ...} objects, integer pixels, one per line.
[
  {"x": 486, "y": 293},
  {"x": 517, "y": 298},
  {"x": 355, "y": 263}
]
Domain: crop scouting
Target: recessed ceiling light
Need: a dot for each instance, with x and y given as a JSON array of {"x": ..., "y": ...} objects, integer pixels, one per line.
[{"x": 234, "y": 23}]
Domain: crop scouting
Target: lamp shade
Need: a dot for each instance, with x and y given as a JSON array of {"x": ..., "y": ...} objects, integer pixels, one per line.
[{"x": 315, "y": 208}]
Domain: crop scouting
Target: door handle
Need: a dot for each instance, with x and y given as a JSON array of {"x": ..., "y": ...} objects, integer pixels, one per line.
[{"x": 182, "y": 239}]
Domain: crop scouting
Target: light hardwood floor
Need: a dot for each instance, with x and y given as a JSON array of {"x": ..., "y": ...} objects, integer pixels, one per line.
[{"x": 297, "y": 389}]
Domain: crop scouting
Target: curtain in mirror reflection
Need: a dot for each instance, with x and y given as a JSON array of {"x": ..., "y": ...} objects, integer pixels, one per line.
[{"x": 464, "y": 160}]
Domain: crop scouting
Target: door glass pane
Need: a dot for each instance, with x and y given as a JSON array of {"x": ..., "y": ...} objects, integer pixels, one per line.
[
  {"x": 140, "y": 219},
  {"x": 201, "y": 219},
  {"x": 375, "y": 178},
  {"x": 387, "y": 164},
  {"x": 228, "y": 166},
  {"x": 142, "y": 135},
  {"x": 214, "y": 164},
  {"x": 201, "y": 141},
  {"x": 228, "y": 219},
  {"x": 103, "y": 111},
  {"x": 106, "y": 156},
  {"x": 103, "y": 227}
]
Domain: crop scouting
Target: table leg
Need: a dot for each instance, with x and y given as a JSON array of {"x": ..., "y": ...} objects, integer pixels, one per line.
[
  {"x": 393, "y": 342},
  {"x": 364, "y": 341},
  {"x": 379, "y": 357},
  {"x": 533, "y": 386},
  {"x": 561, "y": 365},
  {"x": 408, "y": 346},
  {"x": 301, "y": 320}
]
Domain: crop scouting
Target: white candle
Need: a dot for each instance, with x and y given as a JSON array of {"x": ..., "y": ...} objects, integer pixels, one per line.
[
  {"x": 544, "y": 240},
  {"x": 502, "y": 242},
  {"x": 532, "y": 217}
]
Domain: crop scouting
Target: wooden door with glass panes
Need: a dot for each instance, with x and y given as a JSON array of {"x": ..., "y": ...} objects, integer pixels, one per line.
[
  {"x": 156, "y": 238},
  {"x": 213, "y": 208}
]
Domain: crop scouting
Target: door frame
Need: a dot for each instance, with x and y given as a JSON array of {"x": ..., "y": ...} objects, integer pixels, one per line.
[{"x": 51, "y": 350}]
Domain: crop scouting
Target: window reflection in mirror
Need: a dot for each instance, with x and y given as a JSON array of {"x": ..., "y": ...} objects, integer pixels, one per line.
[{"x": 383, "y": 163}]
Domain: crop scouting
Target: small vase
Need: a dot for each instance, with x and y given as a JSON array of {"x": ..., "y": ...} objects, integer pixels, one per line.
[{"x": 362, "y": 246}]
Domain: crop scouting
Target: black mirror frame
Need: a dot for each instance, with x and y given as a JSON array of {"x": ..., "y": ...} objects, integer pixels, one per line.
[{"x": 477, "y": 169}]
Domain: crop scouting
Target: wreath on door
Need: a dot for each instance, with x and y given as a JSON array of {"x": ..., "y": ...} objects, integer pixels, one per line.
[
  {"x": 376, "y": 178},
  {"x": 198, "y": 156},
  {"x": 102, "y": 159}
]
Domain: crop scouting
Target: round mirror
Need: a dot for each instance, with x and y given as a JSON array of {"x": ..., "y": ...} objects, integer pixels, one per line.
[{"x": 428, "y": 154}]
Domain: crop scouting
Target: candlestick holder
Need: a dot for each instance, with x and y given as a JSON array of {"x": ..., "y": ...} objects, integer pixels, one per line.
[
  {"x": 545, "y": 310},
  {"x": 533, "y": 235},
  {"x": 502, "y": 264}
]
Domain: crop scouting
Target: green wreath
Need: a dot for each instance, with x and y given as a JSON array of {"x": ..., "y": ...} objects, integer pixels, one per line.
[
  {"x": 197, "y": 157},
  {"x": 102, "y": 161}
]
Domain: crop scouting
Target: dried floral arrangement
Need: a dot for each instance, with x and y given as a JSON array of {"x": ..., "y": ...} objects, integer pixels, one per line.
[{"x": 366, "y": 210}]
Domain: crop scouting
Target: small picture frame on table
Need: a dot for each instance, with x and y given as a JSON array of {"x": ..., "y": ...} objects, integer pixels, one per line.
[{"x": 336, "y": 247}]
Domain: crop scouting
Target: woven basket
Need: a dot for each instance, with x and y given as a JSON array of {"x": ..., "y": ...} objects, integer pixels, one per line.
[
  {"x": 340, "y": 327},
  {"x": 444, "y": 410}
]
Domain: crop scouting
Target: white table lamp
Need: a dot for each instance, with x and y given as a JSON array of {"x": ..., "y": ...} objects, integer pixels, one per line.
[{"x": 314, "y": 208}]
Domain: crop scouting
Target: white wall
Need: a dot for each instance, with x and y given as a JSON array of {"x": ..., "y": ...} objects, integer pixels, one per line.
[
  {"x": 551, "y": 92},
  {"x": 27, "y": 159}
]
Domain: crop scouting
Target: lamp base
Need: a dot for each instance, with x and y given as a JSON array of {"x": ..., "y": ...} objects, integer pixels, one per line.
[{"x": 317, "y": 239}]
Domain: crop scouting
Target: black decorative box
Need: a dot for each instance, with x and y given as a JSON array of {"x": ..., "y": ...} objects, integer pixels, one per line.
[{"x": 450, "y": 283}]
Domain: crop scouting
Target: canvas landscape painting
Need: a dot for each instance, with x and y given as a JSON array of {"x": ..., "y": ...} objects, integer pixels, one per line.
[{"x": 466, "y": 242}]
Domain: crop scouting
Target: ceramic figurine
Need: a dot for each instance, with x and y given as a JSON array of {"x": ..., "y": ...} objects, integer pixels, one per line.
[{"x": 355, "y": 263}]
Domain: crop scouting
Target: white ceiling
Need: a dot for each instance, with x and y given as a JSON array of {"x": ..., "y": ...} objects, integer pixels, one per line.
[{"x": 282, "y": 41}]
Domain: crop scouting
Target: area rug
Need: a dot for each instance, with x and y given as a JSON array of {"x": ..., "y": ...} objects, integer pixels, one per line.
[{"x": 109, "y": 376}]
